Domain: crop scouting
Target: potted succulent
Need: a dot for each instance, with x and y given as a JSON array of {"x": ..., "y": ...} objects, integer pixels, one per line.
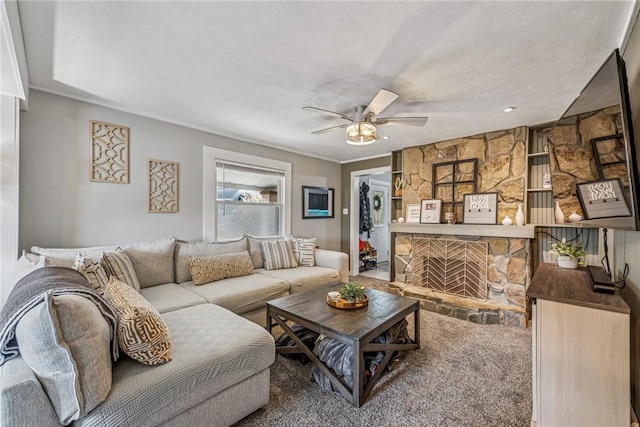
[
  {"x": 352, "y": 292},
  {"x": 569, "y": 256}
]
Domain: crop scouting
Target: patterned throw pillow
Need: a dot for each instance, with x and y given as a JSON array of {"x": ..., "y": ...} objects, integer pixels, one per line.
[
  {"x": 278, "y": 254},
  {"x": 142, "y": 333},
  {"x": 206, "y": 269},
  {"x": 304, "y": 251},
  {"x": 92, "y": 271},
  {"x": 118, "y": 265}
]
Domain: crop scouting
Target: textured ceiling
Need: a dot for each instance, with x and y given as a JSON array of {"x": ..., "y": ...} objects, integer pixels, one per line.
[{"x": 245, "y": 69}]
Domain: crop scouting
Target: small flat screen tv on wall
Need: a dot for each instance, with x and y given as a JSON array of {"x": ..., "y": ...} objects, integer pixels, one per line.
[{"x": 317, "y": 202}]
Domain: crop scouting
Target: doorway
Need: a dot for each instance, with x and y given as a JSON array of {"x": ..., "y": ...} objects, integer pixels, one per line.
[{"x": 378, "y": 184}]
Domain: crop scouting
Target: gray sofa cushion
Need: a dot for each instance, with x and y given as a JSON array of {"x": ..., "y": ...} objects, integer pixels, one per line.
[
  {"x": 205, "y": 359},
  {"x": 170, "y": 297},
  {"x": 185, "y": 250},
  {"x": 65, "y": 257},
  {"x": 240, "y": 294},
  {"x": 303, "y": 278},
  {"x": 153, "y": 261},
  {"x": 66, "y": 342},
  {"x": 20, "y": 393}
]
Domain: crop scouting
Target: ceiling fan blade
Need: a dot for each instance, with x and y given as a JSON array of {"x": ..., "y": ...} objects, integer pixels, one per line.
[
  {"x": 331, "y": 113},
  {"x": 382, "y": 100},
  {"x": 403, "y": 121},
  {"x": 319, "y": 131}
]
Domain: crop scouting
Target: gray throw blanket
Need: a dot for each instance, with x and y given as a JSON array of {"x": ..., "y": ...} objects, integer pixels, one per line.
[{"x": 31, "y": 290}]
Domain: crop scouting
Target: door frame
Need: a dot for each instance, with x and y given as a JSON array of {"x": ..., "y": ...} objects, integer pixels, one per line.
[
  {"x": 354, "y": 219},
  {"x": 387, "y": 210}
]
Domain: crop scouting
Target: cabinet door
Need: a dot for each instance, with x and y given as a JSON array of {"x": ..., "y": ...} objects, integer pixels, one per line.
[{"x": 582, "y": 366}]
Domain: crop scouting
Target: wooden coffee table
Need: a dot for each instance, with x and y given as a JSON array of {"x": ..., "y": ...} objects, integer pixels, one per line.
[{"x": 356, "y": 327}]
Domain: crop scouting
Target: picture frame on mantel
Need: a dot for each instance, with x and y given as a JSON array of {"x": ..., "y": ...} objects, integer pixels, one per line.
[
  {"x": 430, "y": 210},
  {"x": 480, "y": 208},
  {"x": 602, "y": 199},
  {"x": 413, "y": 213}
]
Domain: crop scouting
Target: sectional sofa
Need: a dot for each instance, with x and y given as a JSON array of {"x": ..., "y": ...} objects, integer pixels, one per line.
[{"x": 221, "y": 352}]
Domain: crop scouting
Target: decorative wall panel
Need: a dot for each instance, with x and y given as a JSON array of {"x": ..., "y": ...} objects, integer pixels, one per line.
[
  {"x": 452, "y": 266},
  {"x": 109, "y": 152},
  {"x": 163, "y": 186}
]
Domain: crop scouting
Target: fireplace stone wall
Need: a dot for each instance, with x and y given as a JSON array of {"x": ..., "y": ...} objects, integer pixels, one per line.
[{"x": 508, "y": 274}]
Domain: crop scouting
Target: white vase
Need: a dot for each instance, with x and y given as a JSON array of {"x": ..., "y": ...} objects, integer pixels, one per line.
[
  {"x": 567, "y": 262},
  {"x": 558, "y": 214},
  {"x": 574, "y": 217},
  {"x": 507, "y": 221},
  {"x": 519, "y": 215}
]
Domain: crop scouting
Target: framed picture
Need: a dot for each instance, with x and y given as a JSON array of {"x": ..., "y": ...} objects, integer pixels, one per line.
[
  {"x": 430, "y": 211},
  {"x": 413, "y": 213},
  {"x": 480, "y": 208},
  {"x": 602, "y": 199},
  {"x": 317, "y": 202}
]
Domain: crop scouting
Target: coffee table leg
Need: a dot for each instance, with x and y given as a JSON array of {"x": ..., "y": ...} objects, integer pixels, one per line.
[
  {"x": 416, "y": 326},
  {"x": 358, "y": 374}
]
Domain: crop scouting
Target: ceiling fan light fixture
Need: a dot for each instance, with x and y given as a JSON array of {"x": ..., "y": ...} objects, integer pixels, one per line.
[{"x": 361, "y": 133}]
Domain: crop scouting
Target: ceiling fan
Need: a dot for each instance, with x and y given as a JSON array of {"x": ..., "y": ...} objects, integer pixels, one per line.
[{"x": 363, "y": 123}]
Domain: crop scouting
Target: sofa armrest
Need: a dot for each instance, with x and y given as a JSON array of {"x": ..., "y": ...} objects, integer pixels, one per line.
[
  {"x": 23, "y": 401},
  {"x": 336, "y": 260}
]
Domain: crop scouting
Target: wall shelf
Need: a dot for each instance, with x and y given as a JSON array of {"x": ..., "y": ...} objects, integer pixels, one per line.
[{"x": 533, "y": 190}]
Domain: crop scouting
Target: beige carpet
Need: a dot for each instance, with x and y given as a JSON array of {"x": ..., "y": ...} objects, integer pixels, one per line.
[{"x": 464, "y": 374}]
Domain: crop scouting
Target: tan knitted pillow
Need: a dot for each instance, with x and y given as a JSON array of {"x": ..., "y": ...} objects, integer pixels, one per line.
[
  {"x": 142, "y": 333},
  {"x": 206, "y": 269}
]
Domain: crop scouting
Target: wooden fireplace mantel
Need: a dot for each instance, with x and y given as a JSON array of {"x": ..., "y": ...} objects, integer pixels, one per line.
[{"x": 483, "y": 230}]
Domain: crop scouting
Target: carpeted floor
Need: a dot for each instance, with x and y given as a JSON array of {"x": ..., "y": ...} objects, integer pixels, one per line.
[{"x": 464, "y": 374}]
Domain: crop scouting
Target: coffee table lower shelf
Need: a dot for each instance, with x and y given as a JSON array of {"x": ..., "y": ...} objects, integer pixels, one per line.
[{"x": 385, "y": 310}]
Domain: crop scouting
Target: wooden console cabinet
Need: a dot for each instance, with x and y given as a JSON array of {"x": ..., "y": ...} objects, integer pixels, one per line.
[{"x": 580, "y": 351}]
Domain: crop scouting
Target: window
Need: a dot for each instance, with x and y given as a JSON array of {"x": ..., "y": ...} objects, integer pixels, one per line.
[{"x": 245, "y": 195}]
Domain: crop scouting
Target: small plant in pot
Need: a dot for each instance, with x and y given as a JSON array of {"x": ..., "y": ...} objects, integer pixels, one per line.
[
  {"x": 569, "y": 256},
  {"x": 352, "y": 292}
]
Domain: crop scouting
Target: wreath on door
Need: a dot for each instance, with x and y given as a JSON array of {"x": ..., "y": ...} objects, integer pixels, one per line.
[{"x": 377, "y": 202}]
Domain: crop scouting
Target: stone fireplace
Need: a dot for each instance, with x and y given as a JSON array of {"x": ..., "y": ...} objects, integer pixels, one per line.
[
  {"x": 475, "y": 278},
  {"x": 456, "y": 267}
]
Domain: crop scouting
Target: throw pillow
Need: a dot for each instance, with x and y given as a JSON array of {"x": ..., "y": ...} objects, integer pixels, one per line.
[
  {"x": 208, "y": 269},
  {"x": 142, "y": 333},
  {"x": 185, "y": 250},
  {"x": 66, "y": 342},
  {"x": 92, "y": 271},
  {"x": 277, "y": 254},
  {"x": 304, "y": 251},
  {"x": 118, "y": 265},
  {"x": 255, "y": 251}
]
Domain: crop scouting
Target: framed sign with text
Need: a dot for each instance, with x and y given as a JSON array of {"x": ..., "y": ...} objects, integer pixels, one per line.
[
  {"x": 481, "y": 208},
  {"x": 602, "y": 199}
]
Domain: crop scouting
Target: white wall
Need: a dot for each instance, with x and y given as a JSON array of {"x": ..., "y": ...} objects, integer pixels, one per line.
[
  {"x": 60, "y": 207},
  {"x": 9, "y": 151},
  {"x": 627, "y": 243}
]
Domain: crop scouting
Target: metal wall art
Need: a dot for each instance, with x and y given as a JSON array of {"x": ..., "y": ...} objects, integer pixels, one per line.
[
  {"x": 109, "y": 152},
  {"x": 163, "y": 186}
]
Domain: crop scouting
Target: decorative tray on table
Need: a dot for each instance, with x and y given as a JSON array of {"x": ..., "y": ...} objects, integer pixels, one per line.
[{"x": 346, "y": 305}]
